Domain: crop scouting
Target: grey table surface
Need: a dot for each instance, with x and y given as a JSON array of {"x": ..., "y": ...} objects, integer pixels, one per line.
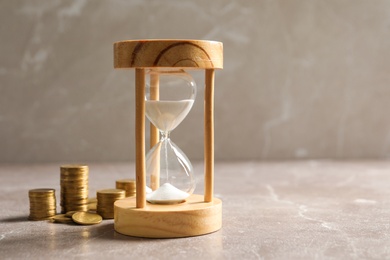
[{"x": 271, "y": 210}]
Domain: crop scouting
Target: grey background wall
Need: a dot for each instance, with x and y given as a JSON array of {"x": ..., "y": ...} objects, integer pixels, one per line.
[{"x": 302, "y": 79}]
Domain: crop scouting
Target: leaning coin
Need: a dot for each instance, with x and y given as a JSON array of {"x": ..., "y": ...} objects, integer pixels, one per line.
[
  {"x": 69, "y": 214},
  {"x": 86, "y": 218},
  {"x": 61, "y": 218}
]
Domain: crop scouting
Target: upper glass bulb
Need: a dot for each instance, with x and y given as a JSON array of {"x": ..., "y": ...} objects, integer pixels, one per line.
[{"x": 169, "y": 97}]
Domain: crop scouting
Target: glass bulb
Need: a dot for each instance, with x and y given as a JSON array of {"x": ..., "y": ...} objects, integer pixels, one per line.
[{"x": 169, "y": 97}]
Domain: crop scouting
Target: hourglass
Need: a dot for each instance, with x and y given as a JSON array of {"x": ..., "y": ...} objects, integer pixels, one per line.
[
  {"x": 165, "y": 205},
  {"x": 169, "y": 173}
]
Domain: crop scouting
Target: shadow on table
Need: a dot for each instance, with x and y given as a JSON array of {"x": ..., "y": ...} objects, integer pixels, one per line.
[
  {"x": 15, "y": 219},
  {"x": 108, "y": 232}
]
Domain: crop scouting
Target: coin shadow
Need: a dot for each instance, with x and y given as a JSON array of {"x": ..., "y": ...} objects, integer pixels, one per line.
[{"x": 15, "y": 219}]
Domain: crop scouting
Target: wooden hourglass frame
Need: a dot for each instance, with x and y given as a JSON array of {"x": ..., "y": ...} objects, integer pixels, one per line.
[{"x": 199, "y": 214}]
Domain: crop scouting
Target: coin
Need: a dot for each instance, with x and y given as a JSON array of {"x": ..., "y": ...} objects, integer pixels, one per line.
[
  {"x": 106, "y": 215},
  {"x": 92, "y": 200},
  {"x": 86, "y": 218},
  {"x": 92, "y": 206},
  {"x": 128, "y": 185},
  {"x": 38, "y": 219},
  {"x": 70, "y": 167},
  {"x": 41, "y": 191},
  {"x": 110, "y": 191},
  {"x": 67, "y": 208},
  {"x": 62, "y": 218},
  {"x": 69, "y": 214}
]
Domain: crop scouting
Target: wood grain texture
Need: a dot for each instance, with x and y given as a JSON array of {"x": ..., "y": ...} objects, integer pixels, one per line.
[
  {"x": 209, "y": 135},
  {"x": 191, "y": 218},
  {"x": 168, "y": 53},
  {"x": 154, "y": 95},
  {"x": 154, "y": 132},
  {"x": 140, "y": 136}
]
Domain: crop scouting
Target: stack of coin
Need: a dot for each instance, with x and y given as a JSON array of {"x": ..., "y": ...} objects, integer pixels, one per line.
[
  {"x": 74, "y": 188},
  {"x": 105, "y": 201},
  {"x": 128, "y": 185},
  {"x": 42, "y": 204}
]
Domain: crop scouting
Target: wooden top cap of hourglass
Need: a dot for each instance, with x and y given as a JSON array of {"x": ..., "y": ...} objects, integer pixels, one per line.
[{"x": 194, "y": 54}]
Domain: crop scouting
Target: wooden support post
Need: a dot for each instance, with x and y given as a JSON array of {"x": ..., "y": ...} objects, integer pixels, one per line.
[
  {"x": 154, "y": 95},
  {"x": 140, "y": 137},
  {"x": 209, "y": 135},
  {"x": 154, "y": 132}
]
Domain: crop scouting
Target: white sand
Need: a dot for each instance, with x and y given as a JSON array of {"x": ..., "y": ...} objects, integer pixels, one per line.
[
  {"x": 167, "y": 194},
  {"x": 148, "y": 190},
  {"x": 167, "y": 115}
]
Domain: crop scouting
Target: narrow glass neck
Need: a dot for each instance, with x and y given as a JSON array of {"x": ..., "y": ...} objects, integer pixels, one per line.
[{"x": 165, "y": 135}]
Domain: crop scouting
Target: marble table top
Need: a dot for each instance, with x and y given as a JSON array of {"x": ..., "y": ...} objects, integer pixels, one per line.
[{"x": 271, "y": 210}]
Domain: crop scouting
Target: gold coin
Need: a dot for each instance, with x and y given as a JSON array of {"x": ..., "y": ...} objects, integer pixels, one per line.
[
  {"x": 47, "y": 212},
  {"x": 41, "y": 191},
  {"x": 107, "y": 215},
  {"x": 62, "y": 218},
  {"x": 73, "y": 166},
  {"x": 73, "y": 180},
  {"x": 69, "y": 214},
  {"x": 73, "y": 184},
  {"x": 41, "y": 194},
  {"x": 73, "y": 171},
  {"x": 106, "y": 208},
  {"x": 131, "y": 181},
  {"x": 86, "y": 218},
  {"x": 111, "y": 191},
  {"x": 43, "y": 214},
  {"x": 74, "y": 204},
  {"x": 125, "y": 183},
  {"x": 74, "y": 192},
  {"x": 92, "y": 206},
  {"x": 73, "y": 187},
  {"x": 42, "y": 205},
  {"x": 79, "y": 202},
  {"x": 110, "y": 196},
  {"x": 67, "y": 172},
  {"x": 92, "y": 200},
  {"x": 42, "y": 197},
  {"x": 109, "y": 200},
  {"x": 128, "y": 185},
  {"x": 75, "y": 207},
  {"x": 38, "y": 219},
  {"x": 74, "y": 195},
  {"x": 39, "y": 200},
  {"x": 65, "y": 209}
]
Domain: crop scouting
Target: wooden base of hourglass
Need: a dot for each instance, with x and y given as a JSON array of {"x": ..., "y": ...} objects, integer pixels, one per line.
[{"x": 191, "y": 218}]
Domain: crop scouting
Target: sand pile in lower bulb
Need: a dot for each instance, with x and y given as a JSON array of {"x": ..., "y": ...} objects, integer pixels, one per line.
[{"x": 167, "y": 193}]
